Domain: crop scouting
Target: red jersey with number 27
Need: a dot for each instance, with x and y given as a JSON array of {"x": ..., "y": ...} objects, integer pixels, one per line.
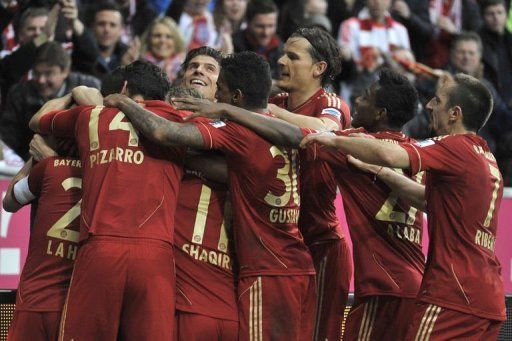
[
  {"x": 56, "y": 183},
  {"x": 130, "y": 184},
  {"x": 464, "y": 188},
  {"x": 318, "y": 220}
]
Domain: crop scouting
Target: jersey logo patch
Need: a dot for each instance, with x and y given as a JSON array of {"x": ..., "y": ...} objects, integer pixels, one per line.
[
  {"x": 218, "y": 124},
  {"x": 425, "y": 143},
  {"x": 332, "y": 112}
]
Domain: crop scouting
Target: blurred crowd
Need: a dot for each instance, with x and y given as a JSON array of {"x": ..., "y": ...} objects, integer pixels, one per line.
[{"x": 50, "y": 46}]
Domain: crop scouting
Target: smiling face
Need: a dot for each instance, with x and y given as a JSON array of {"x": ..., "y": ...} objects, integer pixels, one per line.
[
  {"x": 48, "y": 79},
  {"x": 161, "y": 42},
  {"x": 365, "y": 110},
  {"x": 108, "y": 27},
  {"x": 466, "y": 57},
  {"x": 32, "y": 28},
  {"x": 201, "y": 74},
  {"x": 297, "y": 66},
  {"x": 263, "y": 28}
]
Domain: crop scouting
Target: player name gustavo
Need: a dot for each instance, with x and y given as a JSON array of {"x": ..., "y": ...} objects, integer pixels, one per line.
[
  {"x": 284, "y": 215},
  {"x": 104, "y": 156}
]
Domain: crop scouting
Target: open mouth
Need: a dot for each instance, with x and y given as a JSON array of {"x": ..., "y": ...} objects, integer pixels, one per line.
[{"x": 197, "y": 82}]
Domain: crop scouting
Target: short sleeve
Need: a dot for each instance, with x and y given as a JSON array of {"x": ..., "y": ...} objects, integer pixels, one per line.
[
  {"x": 335, "y": 109},
  {"x": 36, "y": 176},
  {"x": 228, "y": 137},
  {"x": 60, "y": 123}
]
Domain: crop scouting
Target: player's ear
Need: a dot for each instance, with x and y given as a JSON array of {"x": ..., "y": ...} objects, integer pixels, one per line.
[
  {"x": 455, "y": 114},
  {"x": 237, "y": 97},
  {"x": 319, "y": 68}
]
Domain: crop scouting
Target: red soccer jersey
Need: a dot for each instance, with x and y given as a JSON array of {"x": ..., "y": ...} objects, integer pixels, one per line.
[
  {"x": 263, "y": 184},
  {"x": 386, "y": 233},
  {"x": 203, "y": 254},
  {"x": 53, "y": 245},
  {"x": 463, "y": 191},
  {"x": 130, "y": 184},
  {"x": 318, "y": 221}
]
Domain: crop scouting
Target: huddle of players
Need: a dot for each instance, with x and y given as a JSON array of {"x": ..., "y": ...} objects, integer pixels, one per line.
[{"x": 123, "y": 283}]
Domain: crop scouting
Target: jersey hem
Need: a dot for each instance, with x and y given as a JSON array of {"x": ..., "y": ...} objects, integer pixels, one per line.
[{"x": 463, "y": 309}]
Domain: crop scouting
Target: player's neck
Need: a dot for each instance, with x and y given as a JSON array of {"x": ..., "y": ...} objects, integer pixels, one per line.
[{"x": 297, "y": 97}]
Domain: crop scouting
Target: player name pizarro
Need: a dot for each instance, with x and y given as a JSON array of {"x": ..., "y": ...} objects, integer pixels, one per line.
[{"x": 105, "y": 156}]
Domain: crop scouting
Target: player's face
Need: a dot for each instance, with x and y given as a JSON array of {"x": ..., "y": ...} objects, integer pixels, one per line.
[
  {"x": 223, "y": 94},
  {"x": 32, "y": 28},
  {"x": 161, "y": 42},
  {"x": 439, "y": 110},
  {"x": 108, "y": 27},
  {"x": 365, "y": 110},
  {"x": 263, "y": 28},
  {"x": 201, "y": 74},
  {"x": 49, "y": 79},
  {"x": 296, "y": 65}
]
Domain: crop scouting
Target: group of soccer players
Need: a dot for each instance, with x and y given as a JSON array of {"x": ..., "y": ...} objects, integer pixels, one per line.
[{"x": 221, "y": 227}]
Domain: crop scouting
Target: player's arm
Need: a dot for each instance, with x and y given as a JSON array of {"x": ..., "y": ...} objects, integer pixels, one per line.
[
  {"x": 372, "y": 151},
  {"x": 212, "y": 165},
  {"x": 317, "y": 123},
  {"x": 274, "y": 130},
  {"x": 83, "y": 95},
  {"x": 52, "y": 105},
  {"x": 410, "y": 191},
  {"x": 156, "y": 128},
  {"x": 10, "y": 204}
]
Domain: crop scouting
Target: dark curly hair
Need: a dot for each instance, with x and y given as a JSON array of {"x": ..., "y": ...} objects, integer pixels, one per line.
[{"x": 323, "y": 48}]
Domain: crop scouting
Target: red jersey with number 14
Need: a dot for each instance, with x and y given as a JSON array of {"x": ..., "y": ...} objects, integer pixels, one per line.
[
  {"x": 464, "y": 188},
  {"x": 203, "y": 254},
  {"x": 53, "y": 245},
  {"x": 318, "y": 221},
  {"x": 130, "y": 184},
  {"x": 386, "y": 233}
]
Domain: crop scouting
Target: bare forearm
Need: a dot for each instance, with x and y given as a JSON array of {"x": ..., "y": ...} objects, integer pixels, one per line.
[
  {"x": 306, "y": 121},
  {"x": 213, "y": 167},
  {"x": 410, "y": 191},
  {"x": 272, "y": 129},
  {"x": 160, "y": 130},
  {"x": 9, "y": 203}
]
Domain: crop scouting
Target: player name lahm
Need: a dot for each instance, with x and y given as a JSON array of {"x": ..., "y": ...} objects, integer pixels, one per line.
[{"x": 60, "y": 249}]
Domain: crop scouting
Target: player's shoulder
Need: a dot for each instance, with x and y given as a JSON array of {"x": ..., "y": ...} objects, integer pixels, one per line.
[
  {"x": 279, "y": 99},
  {"x": 332, "y": 100}
]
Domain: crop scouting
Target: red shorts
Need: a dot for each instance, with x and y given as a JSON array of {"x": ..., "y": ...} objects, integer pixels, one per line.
[
  {"x": 276, "y": 307},
  {"x": 431, "y": 322},
  {"x": 333, "y": 264},
  {"x": 121, "y": 288},
  {"x": 379, "y": 318},
  {"x": 195, "y": 327},
  {"x": 31, "y": 325}
]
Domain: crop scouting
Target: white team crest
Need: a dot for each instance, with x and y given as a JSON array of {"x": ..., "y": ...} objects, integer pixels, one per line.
[
  {"x": 425, "y": 143},
  {"x": 218, "y": 124},
  {"x": 332, "y": 112}
]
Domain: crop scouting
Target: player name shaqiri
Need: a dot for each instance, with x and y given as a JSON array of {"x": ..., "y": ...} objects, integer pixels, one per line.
[
  {"x": 105, "y": 156},
  {"x": 216, "y": 258},
  {"x": 66, "y": 162},
  {"x": 284, "y": 215}
]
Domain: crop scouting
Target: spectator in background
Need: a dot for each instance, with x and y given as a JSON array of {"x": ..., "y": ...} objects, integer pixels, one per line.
[
  {"x": 163, "y": 45},
  {"x": 497, "y": 51},
  {"x": 109, "y": 52},
  {"x": 229, "y": 15},
  {"x": 369, "y": 40},
  {"x": 196, "y": 25},
  {"x": 295, "y": 13},
  {"x": 260, "y": 35},
  {"x": 51, "y": 78},
  {"x": 449, "y": 19}
]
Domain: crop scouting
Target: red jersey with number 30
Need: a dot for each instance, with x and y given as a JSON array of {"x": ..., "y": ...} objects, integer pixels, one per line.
[
  {"x": 464, "y": 188},
  {"x": 318, "y": 220},
  {"x": 386, "y": 233},
  {"x": 263, "y": 183},
  {"x": 203, "y": 254},
  {"x": 53, "y": 245},
  {"x": 130, "y": 184}
]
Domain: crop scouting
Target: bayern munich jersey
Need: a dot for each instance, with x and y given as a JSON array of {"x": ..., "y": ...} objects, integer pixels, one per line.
[
  {"x": 263, "y": 184},
  {"x": 464, "y": 188},
  {"x": 203, "y": 253},
  {"x": 318, "y": 221},
  {"x": 386, "y": 233},
  {"x": 130, "y": 184},
  {"x": 53, "y": 245}
]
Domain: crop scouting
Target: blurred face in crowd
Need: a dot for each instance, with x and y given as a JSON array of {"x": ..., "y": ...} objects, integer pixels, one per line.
[
  {"x": 365, "y": 110},
  {"x": 48, "y": 79},
  {"x": 316, "y": 7},
  {"x": 234, "y": 9},
  {"x": 32, "y": 27},
  {"x": 495, "y": 18},
  {"x": 161, "y": 42},
  {"x": 201, "y": 74},
  {"x": 108, "y": 27},
  {"x": 296, "y": 65},
  {"x": 440, "y": 110},
  {"x": 263, "y": 28},
  {"x": 378, "y": 8},
  {"x": 466, "y": 57},
  {"x": 196, "y": 7}
]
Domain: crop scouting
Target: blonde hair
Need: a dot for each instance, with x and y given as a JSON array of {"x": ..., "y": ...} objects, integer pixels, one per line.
[{"x": 179, "y": 43}]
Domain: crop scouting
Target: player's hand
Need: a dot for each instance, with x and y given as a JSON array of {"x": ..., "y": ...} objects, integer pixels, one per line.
[
  {"x": 200, "y": 107},
  {"x": 365, "y": 167},
  {"x": 39, "y": 149},
  {"x": 324, "y": 138},
  {"x": 114, "y": 100}
]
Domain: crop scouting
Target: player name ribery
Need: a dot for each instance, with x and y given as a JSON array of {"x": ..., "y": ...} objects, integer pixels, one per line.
[{"x": 104, "y": 156}]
